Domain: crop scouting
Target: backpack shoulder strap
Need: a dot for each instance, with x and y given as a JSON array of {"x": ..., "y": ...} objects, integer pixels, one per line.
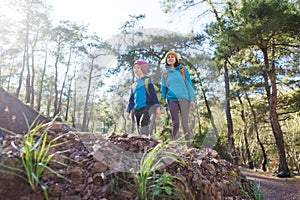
[
  {"x": 182, "y": 72},
  {"x": 147, "y": 86},
  {"x": 166, "y": 77}
]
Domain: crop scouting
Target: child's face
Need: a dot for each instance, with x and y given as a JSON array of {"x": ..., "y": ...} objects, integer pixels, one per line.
[{"x": 138, "y": 71}]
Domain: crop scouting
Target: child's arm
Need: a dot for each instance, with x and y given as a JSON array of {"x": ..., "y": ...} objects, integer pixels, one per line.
[
  {"x": 153, "y": 93},
  {"x": 130, "y": 106}
]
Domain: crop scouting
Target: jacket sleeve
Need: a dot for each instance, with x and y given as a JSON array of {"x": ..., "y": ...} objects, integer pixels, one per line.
[
  {"x": 189, "y": 85},
  {"x": 130, "y": 104},
  {"x": 153, "y": 92},
  {"x": 163, "y": 88}
]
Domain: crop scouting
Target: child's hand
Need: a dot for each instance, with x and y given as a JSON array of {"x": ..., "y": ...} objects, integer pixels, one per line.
[
  {"x": 162, "y": 110},
  {"x": 158, "y": 112},
  {"x": 128, "y": 116}
]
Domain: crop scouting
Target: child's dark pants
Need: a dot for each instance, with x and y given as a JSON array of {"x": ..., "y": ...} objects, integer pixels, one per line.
[{"x": 142, "y": 117}]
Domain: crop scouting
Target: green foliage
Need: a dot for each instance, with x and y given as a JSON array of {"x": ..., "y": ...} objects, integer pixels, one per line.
[
  {"x": 294, "y": 100},
  {"x": 292, "y": 141},
  {"x": 35, "y": 156},
  {"x": 165, "y": 134},
  {"x": 198, "y": 140},
  {"x": 249, "y": 188},
  {"x": 168, "y": 5},
  {"x": 164, "y": 127},
  {"x": 222, "y": 148},
  {"x": 150, "y": 184},
  {"x": 162, "y": 185}
]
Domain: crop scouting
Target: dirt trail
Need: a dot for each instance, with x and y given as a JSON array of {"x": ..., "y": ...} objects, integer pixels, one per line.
[{"x": 274, "y": 188}]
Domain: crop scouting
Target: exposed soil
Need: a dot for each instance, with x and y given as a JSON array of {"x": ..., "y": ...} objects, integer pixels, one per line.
[{"x": 274, "y": 188}]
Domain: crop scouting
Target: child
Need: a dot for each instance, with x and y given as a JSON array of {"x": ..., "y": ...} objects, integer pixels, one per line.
[
  {"x": 142, "y": 104},
  {"x": 177, "y": 89}
]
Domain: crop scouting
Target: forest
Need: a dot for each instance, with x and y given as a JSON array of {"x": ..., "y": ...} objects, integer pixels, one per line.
[{"x": 244, "y": 65}]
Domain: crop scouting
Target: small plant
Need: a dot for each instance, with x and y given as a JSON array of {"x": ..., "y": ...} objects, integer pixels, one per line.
[
  {"x": 148, "y": 183},
  {"x": 162, "y": 185},
  {"x": 252, "y": 190},
  {"x": 255, "y": 188},
  {"x": 35, "y": 156}
]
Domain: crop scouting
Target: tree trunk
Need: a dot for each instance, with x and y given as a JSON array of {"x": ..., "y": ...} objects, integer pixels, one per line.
[
  {"x": 91, "y": 118},
  {"x": 68, "y": 100},
  {"x": 28, "y": 87},
  {"x": 56, "y": 111},
  {"x": 49, "y": 101},
  {"x": 277, "y": 132},
  {"x": 42, "y": 82},
  {"x": 74, "y": 102},
  {"x": 21, "y": 74},
  {"x": 68, "y": 103},
  {"x": 212, "y": 121},
  {"x": 231, "y": 147},
  {"x": 215, "y": 132},
  {"x": 227, "y": 100},
  {"x": 32, "y": 79},
  {"x": 85, "y": 111},
  {"x": 64, "y": 81},
  {"x": 249, "y": 157},
  {"x": 265, "y": 159}
]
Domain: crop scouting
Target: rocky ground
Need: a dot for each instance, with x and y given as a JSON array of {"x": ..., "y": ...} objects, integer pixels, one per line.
[{"x": 101, "y": 167}]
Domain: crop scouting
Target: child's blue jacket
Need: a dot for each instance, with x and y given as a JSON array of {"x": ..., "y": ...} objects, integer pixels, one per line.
[
  {"x": 174, "y": 88},
  {"x": 139, "y": 97}
]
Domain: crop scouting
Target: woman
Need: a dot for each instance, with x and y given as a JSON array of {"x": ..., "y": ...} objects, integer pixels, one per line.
[{"x": 177, "y": 89}]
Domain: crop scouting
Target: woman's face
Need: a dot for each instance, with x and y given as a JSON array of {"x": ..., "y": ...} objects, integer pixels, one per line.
[
  {"x": 138, "y": 71},
  {"x": 171, "y": 60}
]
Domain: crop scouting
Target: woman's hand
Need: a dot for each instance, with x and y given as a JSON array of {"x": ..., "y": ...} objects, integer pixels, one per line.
[
  {"x": 192, "y": 105},
  {"x": 158, "y": 112}
]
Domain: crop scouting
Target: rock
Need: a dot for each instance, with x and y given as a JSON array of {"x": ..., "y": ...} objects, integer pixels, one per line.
[{"x": 13, "y": 112}]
